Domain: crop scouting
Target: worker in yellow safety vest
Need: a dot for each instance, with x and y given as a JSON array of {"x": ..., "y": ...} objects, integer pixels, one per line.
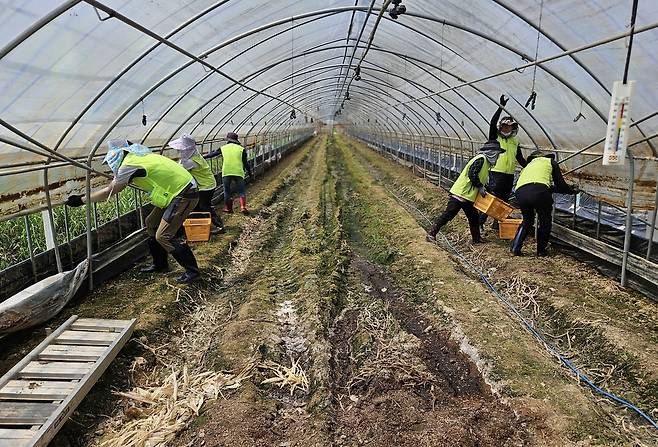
[
  {"x": 234, "y": 166},
  {"x": 501, "y": 177},
  {"x": 173, "y": 193},
  {"x": 534, "y": 191},
  {"x": 471, "y": 182},
  {"x": 191, "y": 159}
]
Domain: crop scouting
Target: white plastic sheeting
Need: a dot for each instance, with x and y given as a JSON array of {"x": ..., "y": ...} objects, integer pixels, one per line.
[{"x": 68, "y": 84}]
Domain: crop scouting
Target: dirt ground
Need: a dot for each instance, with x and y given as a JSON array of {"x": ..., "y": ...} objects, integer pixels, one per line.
[{"x": 325, "y": 319}]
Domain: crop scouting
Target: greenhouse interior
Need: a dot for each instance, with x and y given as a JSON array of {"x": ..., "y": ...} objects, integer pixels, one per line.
[{"x": 239, "y": 223}]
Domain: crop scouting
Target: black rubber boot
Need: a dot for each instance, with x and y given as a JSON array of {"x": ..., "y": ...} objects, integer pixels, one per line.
[
  {"x": 517, "y": 242},
  {"x": 184, "y": 256},
  {"x": 159, "y": 255}
]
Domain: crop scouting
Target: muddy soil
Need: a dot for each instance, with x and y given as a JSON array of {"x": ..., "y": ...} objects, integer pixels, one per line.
[{"x": 354, "y": 330}]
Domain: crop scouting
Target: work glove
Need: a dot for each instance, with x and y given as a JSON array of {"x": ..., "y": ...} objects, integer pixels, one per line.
[
  {"x": 483, "y": 191},
  {"x": 503, "y": 100},
  {"x": 74, "y": 200}
]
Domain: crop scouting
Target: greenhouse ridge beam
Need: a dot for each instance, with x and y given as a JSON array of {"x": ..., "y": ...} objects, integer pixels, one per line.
[
  {"x": 365, "y": 51},
  {"x": 356, "y": 43}
]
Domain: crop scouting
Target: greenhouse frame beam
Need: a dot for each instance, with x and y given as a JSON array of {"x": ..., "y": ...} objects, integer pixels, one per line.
[
  {"x": 310, "y": 81},
  {"x": 361, "y": 9},
  {"x": 369, "y": 93},
  {"x": 422, "y": 68}
]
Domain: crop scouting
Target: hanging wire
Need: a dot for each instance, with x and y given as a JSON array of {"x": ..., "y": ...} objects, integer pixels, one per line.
[
  {"x": 438, "y": 112},
  {"x": 143, "y": 114},
  {"x": 292, "y": 51},
  {"x": 533, "y": 94}
]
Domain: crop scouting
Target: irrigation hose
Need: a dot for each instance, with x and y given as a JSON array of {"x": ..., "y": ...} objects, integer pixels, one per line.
[{"x": 528, "y": 326}]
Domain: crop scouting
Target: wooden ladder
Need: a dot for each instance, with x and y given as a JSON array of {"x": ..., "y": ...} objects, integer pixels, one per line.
[{"x": 41, "y": 392}]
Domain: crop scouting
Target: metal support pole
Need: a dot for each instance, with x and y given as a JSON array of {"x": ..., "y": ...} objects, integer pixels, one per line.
[
  {"x": 68, "y": 233},
  {"x": 629, "y": 218},
  {"x": 116, "y": 197},
  {"x": 653, "y": 224},
  {"x": 598, "y": 221},
  {"x": 30, "y": 247},
  {"x": 575, "y": 205}
]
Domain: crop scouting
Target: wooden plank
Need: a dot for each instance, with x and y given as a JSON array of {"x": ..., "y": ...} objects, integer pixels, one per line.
[
  {"x": 16, "y": 433},
  {"x": 14, "y": 442},
  {"x": 33, "y": 354},
  {"x": 72, "y": 353},
  {"x": 86, "y": 338},
  {"x": 36, "y": 390},
  {"x": 100, "y": 325},
  {"x": 55, "y": 370},
  {"x": 59, "y": 417},
  {"x": 25, "y": 413}
]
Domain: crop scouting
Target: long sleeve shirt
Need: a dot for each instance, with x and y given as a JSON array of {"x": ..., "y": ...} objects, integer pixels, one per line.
[
  {"x": 559, "y": 185},
  {"x": 493, "y": 135},
  {"x": 245, "y": 161}
]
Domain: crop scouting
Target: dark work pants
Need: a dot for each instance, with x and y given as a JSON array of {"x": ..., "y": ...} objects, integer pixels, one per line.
[
  {"x": 205, "y": 205},
  {"x": 452, "y": 210},
  {"x": 536, "y": 198},
  {"x": 500, "y": 185},
  {"x": 239, "y": 185}
]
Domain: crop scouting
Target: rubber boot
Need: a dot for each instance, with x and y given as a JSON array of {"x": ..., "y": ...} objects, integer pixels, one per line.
[
  {"x": 517, "y": 242},
  {"x": 228, "y": 205},
  {"x": 184, "y": 256},
  {"x": 243, "y": 205},
  {"x": 159, "y": 256},
  {"x": 542, "y": 243}
]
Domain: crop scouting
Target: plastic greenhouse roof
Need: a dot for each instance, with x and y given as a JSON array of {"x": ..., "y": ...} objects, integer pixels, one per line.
[{"x": 75, "y": 73}]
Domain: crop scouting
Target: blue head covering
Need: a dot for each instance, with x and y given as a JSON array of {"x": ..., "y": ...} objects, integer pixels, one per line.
[{"x": 116, "y": 151}]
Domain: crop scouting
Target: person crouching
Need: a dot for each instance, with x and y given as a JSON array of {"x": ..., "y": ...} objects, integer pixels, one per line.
[
  {"x": 464, "y": 191},
  {"x": 172, "y": 191}
]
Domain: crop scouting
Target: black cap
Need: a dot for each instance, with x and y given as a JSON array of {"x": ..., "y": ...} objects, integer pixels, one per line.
[
  {"x": 492, "y": 144},
  {"x": 232, "y": 137}
]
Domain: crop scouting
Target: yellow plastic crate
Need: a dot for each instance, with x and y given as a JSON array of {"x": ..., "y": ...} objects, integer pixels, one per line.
[
  {"x": 197, "y": 227},
  {"x": 507, "y": 228},
  {"x": 493, "y": 206}
]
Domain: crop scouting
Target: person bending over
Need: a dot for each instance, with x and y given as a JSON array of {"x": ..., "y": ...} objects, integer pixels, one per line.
[
  {"x": 534, "y": 192},
  {"x": 464, "y": 191},
  {"x": 172, "y": 191}
]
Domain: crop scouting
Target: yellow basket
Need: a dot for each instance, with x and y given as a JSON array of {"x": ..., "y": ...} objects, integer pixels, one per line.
[
  {"x": 197, "y": 227},
  {"x": 507, "y": 228},
  {"x": 493, "y": 206}
]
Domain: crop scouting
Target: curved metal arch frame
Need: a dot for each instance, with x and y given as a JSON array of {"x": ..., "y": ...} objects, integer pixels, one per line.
[
  {"x": 367, "y": 92},
  {"x": 484, "y": 94},
  {"x": 367, "y": 109},
  {"x": 205, "y": 117},
  {"x": 427, "y": 71},
  {"x": 427, "y": 124},
  {"x": 68, "y": 5},
  {"x": 342, "y": 9},
  {"x": 294, "y": 89}
]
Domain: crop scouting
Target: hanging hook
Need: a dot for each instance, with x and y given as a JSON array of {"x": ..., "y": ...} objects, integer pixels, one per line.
[
  {"x": 580, "y": 112},
  {"x": 531, "y": 100},
  {"x": 204, "y": 57},
  {"x": 143, "y": 114}
]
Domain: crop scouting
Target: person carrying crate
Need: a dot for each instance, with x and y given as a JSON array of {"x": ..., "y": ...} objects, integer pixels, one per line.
[
  {"x": 464, "y": 191},
  {"x": 501, "y": 177},
  {"x": 534, "y": 191},
  {"x": 172, "y": 191},
  {"x": 191, "y": 159},
  {"x": 234, "y": 165}
]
